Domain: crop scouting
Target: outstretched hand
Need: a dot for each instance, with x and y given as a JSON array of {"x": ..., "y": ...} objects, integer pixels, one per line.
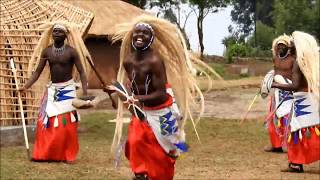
[{"x": 109, "y": 89}]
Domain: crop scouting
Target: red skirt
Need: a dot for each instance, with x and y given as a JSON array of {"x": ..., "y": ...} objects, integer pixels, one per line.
[
  {"x": 276, "y": 134},
  {"x": 145, "y": 154},
  {"x": 276, "y": 128},
  {"x": 304, "y": 151},
  {"x": 56, "y": 143}
]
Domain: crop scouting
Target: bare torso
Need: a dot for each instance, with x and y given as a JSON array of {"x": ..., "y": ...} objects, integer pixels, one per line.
[
  {"x": 147, "y": 77},
  {"x": 60, "y": 66},
  {"x": 284, "y": 67},
  {"x": 61, "y": 62},
  {"x": 289, "y": 68}
]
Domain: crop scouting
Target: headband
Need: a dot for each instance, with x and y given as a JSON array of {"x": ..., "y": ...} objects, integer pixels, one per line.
[
  {"x": 148, "y": 26},
  {"x": 61, "y": 27}
]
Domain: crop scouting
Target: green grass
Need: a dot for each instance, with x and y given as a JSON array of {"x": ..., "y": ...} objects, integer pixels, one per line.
[
  {"x": 219, "y": 68},
  {"x": 222, "y": 71},
  {"x": 227, "y": 150}
]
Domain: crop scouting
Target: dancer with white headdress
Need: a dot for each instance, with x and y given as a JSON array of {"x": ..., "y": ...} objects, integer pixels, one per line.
[
  {"x": 56, "y": 134},
  {"x": 304, "y": 126},
  {"x": 156, "y": 62},
  {"x": 280, "y": 100}
]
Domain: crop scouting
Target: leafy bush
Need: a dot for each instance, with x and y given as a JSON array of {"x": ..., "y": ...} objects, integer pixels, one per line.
[
  {"x": 257, "y": 52},
  {"x": 219, "y": 68},
  {"x": 238, "y": 50}
]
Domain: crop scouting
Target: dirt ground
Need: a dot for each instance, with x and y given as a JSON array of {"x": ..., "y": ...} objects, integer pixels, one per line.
[
  {"x": 222, "y": 103},
  {"x": 233, "y": 103},
  {"x": 227, "y": 150},
  {"x": 248, "y": 163}
]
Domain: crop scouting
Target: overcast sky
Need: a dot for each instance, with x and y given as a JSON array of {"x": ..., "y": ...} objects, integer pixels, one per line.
[{"x": 215, "y": 29}]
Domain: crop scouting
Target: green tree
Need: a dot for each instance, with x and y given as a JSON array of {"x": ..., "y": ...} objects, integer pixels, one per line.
[
  {"x": 246, "y": 13},
  {"x": 202, "y": 8},
  {"x": 264, "y": 36},
  {"x": 302, "y": 15},
  {"x": 171, "y": 10}
]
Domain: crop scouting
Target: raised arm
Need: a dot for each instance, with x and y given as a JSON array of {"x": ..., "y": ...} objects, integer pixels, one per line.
[
  {"x": 80, "y": 69},
  {"x": 296, "y": 80},
  {"x": 35, "y": 76}
]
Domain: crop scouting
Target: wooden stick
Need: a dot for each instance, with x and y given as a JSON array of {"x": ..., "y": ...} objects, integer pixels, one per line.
[
  {"x": 274, "y": 111},
  {"x": 14, "y": 71},
  {"x": 250, "y": 106},
  {"x": 103, "y": 84}
]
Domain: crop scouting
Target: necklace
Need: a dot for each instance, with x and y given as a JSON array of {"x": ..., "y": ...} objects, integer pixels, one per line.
[{"x": 58, "y": 51}]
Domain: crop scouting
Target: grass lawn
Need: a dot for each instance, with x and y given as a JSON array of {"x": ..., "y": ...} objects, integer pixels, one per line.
[{"x": 226, "y": 151}]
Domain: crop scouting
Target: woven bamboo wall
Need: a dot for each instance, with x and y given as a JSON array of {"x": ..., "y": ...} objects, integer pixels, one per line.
[{"x": 18, "y": 37}]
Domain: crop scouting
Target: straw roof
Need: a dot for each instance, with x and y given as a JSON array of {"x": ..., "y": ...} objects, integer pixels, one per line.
[
  {"x": 108, "y": 13},
  {"x": 18, "y": 37}
]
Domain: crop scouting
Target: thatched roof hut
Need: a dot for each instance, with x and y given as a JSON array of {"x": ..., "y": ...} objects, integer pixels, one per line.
[
  {"x": 107, "y": 14},
  {"x": 18, "y": 37}
]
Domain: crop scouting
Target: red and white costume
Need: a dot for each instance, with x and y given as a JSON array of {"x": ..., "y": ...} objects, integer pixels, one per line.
[{"x": 56, "y": 134}]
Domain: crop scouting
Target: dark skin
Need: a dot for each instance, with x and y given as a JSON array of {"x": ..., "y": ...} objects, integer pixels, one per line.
[
  {"x": 145, "y": 64},
  {"x": 60, "y": 66},
  {"x": 289, "y": 68},
  {"x": 283, "y": 66}
]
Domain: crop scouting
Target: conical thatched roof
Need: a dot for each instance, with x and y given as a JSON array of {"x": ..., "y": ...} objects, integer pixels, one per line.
[
  {"x": 107, "y": 14},
  {"x": 18, "y": 37}
]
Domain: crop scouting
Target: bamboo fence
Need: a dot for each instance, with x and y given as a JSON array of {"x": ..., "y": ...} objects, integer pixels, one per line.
[{"x": 19, "y": 35}]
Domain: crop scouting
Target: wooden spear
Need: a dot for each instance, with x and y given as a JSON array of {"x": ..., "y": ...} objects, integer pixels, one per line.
[{"x": 14, "y": 71}]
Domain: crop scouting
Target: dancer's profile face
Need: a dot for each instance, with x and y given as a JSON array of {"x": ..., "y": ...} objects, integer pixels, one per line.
[
  {"x": 141, "y": 37},
  {"x": 282, "y": 51},
  {"x": 58, "y": 35}
]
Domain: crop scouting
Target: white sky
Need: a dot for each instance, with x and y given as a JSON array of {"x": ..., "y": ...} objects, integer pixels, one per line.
[{"x": 215, "y": 28}]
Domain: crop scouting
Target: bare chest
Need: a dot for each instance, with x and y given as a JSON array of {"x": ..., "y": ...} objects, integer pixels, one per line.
[
  {"x": 64, "y": 59},
  {"x": 283, "y": 67},
  {"x": 137, "y": 70}
]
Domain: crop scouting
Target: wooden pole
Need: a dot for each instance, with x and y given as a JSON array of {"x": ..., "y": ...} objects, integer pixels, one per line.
[
  {"x": 103, "y": 84},
  {"x": 250, "y": 106},
  {"x": 14, "y": 71}
]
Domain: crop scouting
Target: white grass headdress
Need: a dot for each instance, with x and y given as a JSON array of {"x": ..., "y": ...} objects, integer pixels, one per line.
[
  {"x": 170, "y": 45},
  {"x": 308, "y": 59},
  {"x": 74, "y": 39}
]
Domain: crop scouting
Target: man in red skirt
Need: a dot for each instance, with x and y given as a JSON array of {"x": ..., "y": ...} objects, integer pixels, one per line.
[
  {"x": 155, "y": 64},
  {"x": 304, "y": 135},
  {"x": 280, "y": 100},
  {"x": 56, "y": 134}
]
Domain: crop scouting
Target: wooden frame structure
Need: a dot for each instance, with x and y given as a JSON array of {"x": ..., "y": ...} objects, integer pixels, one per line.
[{"x": 19, "y": 35}]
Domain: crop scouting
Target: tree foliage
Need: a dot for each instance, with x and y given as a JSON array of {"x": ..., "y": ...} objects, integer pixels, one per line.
[
  {"x": 202, "y": 8},
  {"x": 258, "y": 22},
  {"x": 172, "y": 11},
  {"x": 246, "y": 12},
  {"x": 264, "y": 36},
  {"x": 291, "y": 15}
]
